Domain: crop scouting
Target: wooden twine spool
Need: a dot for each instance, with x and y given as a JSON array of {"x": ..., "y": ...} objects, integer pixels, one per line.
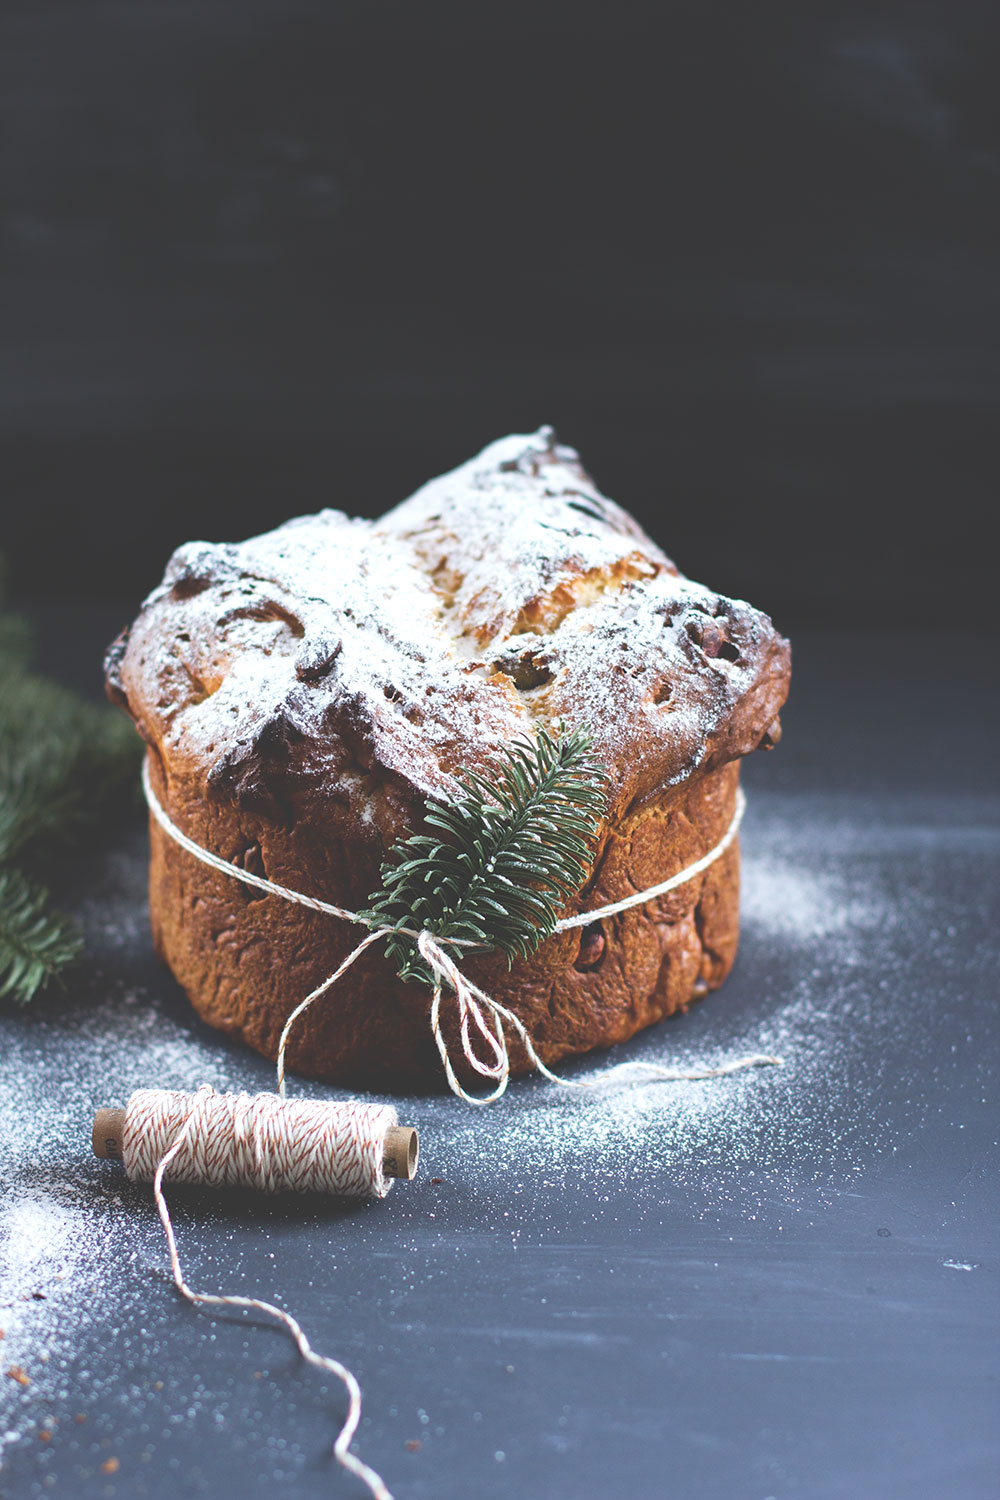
[
  {"x": 259, "y": 1141},
  {"x": 262, "y": 1141}
]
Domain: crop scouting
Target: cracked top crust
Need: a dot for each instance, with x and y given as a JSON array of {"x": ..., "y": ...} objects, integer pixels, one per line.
[{"x": 379, "y": 657}]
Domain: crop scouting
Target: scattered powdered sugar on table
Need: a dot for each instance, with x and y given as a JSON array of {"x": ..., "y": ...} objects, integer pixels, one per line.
[
  {"x": 798, "y": 905},
  {"x": 65, "y": 1229},
  {"x": 810, "y": 1121}
]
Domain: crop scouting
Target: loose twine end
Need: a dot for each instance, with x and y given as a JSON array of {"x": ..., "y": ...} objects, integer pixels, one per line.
[{"x": 342, "y": 1443}]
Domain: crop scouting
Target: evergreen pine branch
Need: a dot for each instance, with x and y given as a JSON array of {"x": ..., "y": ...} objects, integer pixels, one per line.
[
  {"x": 515, "y": 847},
  {"x": 67, "y": 767},
  {"x": 36, "y": 943},
  {"x": 67, "y": 774}
]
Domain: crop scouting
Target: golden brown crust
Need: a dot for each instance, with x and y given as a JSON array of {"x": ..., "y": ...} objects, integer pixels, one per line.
[{"x": 302, "y": 693}]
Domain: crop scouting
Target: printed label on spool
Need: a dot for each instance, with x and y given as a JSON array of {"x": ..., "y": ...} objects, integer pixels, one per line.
[
  {"x": 106, "y": 1137},
  {"x": 400, "y": 1151}
]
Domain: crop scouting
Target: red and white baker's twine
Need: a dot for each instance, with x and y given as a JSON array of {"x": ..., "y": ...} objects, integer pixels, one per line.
[
  {"x": 260, "y": 1141},
  {"x": 238, "y": 1152},
  {"x": 265, "y": 1142}
]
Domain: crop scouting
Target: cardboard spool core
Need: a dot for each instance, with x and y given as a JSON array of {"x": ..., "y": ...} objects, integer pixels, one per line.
[{"x": 400, "y": 1152}]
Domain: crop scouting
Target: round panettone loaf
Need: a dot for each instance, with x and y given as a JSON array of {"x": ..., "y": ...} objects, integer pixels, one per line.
[{"x": 303, "y": 693}]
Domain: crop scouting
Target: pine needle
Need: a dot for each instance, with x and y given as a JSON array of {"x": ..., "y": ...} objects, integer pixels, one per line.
[
  {"x": 67, "y": 774},
  {"x": 36, "y": 943},
  {"x": 516, "y": 846},
  {"x": 66, "y": 768}
]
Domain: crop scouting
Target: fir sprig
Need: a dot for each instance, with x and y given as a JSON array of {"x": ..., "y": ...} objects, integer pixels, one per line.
[
  {"x": 514, "y": 848},
  {"x": 36, "y": 943},
  {"x": 64, "y": 766},
  {"x": 67, "y": 773}
]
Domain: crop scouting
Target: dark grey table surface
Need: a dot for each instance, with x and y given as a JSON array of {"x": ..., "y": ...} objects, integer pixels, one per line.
[{"x": 781, "y": 1284}]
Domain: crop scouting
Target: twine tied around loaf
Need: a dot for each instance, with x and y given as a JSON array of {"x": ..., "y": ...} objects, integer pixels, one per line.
[{"x": 477, "y": 1011}]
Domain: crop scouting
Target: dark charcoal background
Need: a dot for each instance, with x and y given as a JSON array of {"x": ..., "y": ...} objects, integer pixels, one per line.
[{"x": 263, "y": 257}]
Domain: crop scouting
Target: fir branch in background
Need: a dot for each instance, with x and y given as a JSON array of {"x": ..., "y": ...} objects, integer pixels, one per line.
[
  {"x": 515, "y": 847},
  {"x": 64, "y": 763},
  {"x": 36, "y": 943},
  {"x": 68, "y": 771}
]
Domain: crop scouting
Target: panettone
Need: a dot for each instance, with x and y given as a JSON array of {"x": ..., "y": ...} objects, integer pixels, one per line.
[{"x": 303, "y": 693}]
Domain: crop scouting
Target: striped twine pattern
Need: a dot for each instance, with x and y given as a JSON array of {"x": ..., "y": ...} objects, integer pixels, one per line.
[{"x": 259, "y": 1141}]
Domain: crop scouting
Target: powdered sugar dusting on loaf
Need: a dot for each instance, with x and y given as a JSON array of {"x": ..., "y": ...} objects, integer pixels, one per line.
[
  {"x": 505, "y": 594},
  {"x": 519, "y": 523}
]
